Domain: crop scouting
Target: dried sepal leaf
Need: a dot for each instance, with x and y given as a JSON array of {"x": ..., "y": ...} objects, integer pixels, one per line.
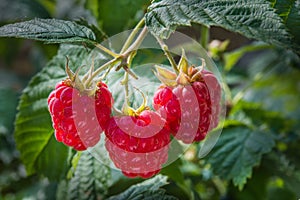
[{"x": 183, "y": 64}]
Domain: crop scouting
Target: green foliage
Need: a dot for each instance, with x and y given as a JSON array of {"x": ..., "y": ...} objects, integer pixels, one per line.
[
  {"x": 278, "y": 78},
  {"x": 286, "y": 175},
  {"x": 90, "y": 180},
  {"x": 254, "y": 19},
  {"x": 148, "y": 189},
  {"x": 174, "y": 173},
  {"x": 238, "y": 150},
  {"x": 33, "y": 128},
  {"x": 231, "y": 58},
  {"x": 256, "y": 187},
  {"x": 282, "y": 7},
  {"x": 49, "y": 161},
  {"x": 99, "y": 34},
  {"x": 293, "y": 22},
  {"x": 289, "y": 11},
  {"x": 49, "y": 30},
  {"x": 272, "y": 97},
  {"x": 257, "y": 155}
]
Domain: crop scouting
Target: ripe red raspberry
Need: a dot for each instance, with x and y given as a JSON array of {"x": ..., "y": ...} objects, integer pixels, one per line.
[
  {"x": 78, "y": 119},
  {"x": 138, "y": 145},
  {"x": 192, "y": 109}
]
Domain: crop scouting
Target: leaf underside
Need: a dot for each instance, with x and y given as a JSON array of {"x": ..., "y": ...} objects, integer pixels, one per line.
[
  {"x": 90, "y": 180},
  {"x": 149, "y": 189}
]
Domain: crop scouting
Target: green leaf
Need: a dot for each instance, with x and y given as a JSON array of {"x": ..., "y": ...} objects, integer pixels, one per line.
[
  {"x": 149, "y": 189},
  {"x": 282, "y": 7},
  {"x": 293, "y": 23},
  {"x": 238, "y": 150},
  {"x": 231, "y": 58},
  {"x": 52, "y": 160},
  {"x": 99, "y": 34},
  {"x": 33, "y": 126},
  {"x": 62, "y": 190},
  {"x": 252, "y": 18},
  {"x": 174, "y": 172},
  {"x": 288, "y": 10},
  {"x": 21, "y": 9},
  {"x": 49, "y": 30},
  {"x": 90, "y": 180},
  {"x": 256, "y": 187}
]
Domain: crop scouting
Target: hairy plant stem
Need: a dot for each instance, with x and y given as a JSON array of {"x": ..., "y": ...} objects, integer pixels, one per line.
[
  {"x": 100, "y": 69},
  {"x": 126, "y": 56},
  {"x": 126, "y": 88},
  {"x": 168, "y": 54},
  {"x": 106, "y": 50},
  {"x": 107, "y": 72},
  {"x": 132, "y": 35},
  {"x": 204, "y": 37},
  {"x": 124, "y": 59},
  {"x": 90, "y": 72},
  {"x": 137, "y": 42},
  {"x": 129, "y": 54},
  {"x": 126, "y": 80}
]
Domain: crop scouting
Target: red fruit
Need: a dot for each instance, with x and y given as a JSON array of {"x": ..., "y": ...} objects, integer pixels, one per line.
[
  {"x": 79, "y": 119},
  {"x": 192, "y": 109},
  {"x": 138, "y": 145}
]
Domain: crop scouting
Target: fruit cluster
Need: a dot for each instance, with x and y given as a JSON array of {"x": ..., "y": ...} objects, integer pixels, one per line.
[{"x": 186, "y": 106}]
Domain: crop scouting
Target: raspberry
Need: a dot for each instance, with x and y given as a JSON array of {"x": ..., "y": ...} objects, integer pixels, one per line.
[
  {"x": 78, "y": 119},
  {"x": 138, "y": 145},
  {"x": 192, "y": 109}
]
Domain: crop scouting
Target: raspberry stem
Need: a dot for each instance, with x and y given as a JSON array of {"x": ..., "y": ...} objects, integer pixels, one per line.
[
  {"x": 126, "y": 80},
  {"x": 132, "y": 35},
  {"x": 90, "y": 72},
  {"x": 106, "y": 50},
  {"x": 100, "y": 69},
  {"x": 144, "y": 104},
  {"x": 126, "y": 88},
  {"x": 126, "y": 44},
  {"x": 204, "y": 36},
  {"x": 137, "y": 42},
  {"x": 168, "y": 54},
  {"x": 124, "y": 56}
]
